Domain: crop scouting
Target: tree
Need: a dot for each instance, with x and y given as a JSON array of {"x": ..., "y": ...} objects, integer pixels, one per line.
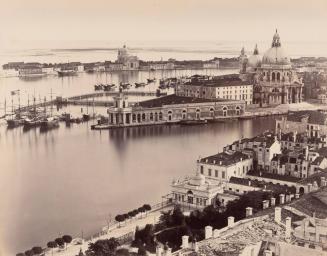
[
  {"x": 67, "y": 239},
  {"x": 60, "y": 241},
  {"x": 37, "y": 250},
  {"x": 122, "y": 252},
  {"x": 126, "y": 216},
  {"x": 106, "y": 247},
  {"x": 131, "y": 214},
  {"x": 142, "y": 251},
  {"x": 147, "y": 207},
  {"x": 141, "y": 210},
  {"x": 52, "y": 245},
  {"x": 120, "y": 218},
  {"x": 29, "y": 253}
]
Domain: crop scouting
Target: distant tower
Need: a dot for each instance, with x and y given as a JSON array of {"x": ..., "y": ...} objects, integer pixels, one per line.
[{"x": 243, "y": 61}]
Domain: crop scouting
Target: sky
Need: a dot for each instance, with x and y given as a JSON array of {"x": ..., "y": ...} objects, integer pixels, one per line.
[{"x": 165, "y": 20}]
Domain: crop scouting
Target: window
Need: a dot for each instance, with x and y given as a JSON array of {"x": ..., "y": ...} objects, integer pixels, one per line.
[
  {"x": 216, "y": 173},
  {"x": 201, "y": 169},
  {"x": 223, "y": 174},
  {"x": 209, "y": 172}
]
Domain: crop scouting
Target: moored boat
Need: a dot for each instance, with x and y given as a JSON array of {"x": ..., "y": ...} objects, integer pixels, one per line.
[{"x": 193, "y": 121}]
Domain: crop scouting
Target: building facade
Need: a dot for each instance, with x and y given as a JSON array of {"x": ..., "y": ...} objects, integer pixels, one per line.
[
  {"x": 312, "y": 123},
  {"x": 170, "y": 109},
  {"x": 275, "y": 81},
  {"x": 229, "y": 87},
  {"x": 129, "y": 62},
  {"x": 225, "y": 165}
]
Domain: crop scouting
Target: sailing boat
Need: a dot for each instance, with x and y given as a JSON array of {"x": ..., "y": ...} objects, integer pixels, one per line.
[
  {"x": 49, "y": 122},
  {"x": 16, "y": 119}
]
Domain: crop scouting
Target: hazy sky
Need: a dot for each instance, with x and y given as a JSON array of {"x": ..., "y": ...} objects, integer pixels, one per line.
[{"x": 161, "y": 20}]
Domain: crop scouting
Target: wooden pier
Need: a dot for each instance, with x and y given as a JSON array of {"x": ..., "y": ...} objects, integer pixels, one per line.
[{"x": 88, "y": 99}]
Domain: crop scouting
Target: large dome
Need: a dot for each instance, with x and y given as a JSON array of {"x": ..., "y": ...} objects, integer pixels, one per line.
[{"x": 276, "y": 54}]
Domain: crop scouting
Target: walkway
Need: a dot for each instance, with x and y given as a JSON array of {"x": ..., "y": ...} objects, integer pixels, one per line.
[{"x": 150, "y": 218}]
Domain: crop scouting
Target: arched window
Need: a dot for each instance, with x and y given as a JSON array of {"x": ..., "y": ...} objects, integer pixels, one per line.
[
  {"x": 156, "y": 116},
  {"x": 197, "y": 114},
  {"x": 143, "y": 117},
  {"x": 278, "y": 77},
  {"x": 170, "y": 115},
  {"x": 160, "y": 115},
  {"x": 273, "y": 77},
  {"x": 212, "y": 112},
  {"x": 238, "y": 110},
  {"x": 225, "y": 111},
  {"x": 151, "y": 116},
  {"x": 184, "y": 114}
]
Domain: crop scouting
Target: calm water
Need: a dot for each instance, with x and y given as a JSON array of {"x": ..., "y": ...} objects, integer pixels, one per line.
[
  {"x": 82, "y": 83},
  {"x": 71, "y": 179}
]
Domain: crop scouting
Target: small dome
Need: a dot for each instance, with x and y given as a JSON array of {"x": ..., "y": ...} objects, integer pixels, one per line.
[
  {"x": 198, "y": 180},
  {"x": 276, "y": 54},
  {"x": 254, "y": 61}
]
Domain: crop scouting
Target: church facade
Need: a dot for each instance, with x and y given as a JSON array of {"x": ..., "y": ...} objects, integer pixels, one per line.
[{"x": 275, "y": 81}]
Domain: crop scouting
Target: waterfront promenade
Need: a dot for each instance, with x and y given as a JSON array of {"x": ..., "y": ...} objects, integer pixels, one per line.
[{"x": 116, "y": 230}]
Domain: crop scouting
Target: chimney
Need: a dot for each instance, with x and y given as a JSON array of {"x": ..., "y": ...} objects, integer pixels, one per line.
[
  {"x": 281, "y": 199},
  {"x": 249, "y": 211},
  {"x": 288, "y": 225},
  {"x": 214, "y": 161},
  {"x": 273, "y": 201},
  {"x": 185, "y": 244},
  {"x": 249, "y": 184},
  {"x": 231, "y": 221},
  {"x": 268, "y": 253},
  {"x": 278, "y": 214},
  {"x": 208, "y": 232}
]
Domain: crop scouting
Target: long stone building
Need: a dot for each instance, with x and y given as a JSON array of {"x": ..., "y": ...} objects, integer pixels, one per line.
[{"x": 170, "y": 109}]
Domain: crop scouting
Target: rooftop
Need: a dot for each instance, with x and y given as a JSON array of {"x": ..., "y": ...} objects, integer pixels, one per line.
[
  {"x": 174, "y": 99},
  {"x": 313, "y": 117},
  {"x": 315, "y": 202},
  {"x": 225, "y": 158},
  {"x": 217, "y": 81}
]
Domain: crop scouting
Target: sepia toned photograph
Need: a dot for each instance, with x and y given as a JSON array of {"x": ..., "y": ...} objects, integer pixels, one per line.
[{"x": 163, "y": 128}]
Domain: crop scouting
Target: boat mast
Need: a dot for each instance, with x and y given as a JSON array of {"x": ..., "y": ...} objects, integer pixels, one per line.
[
  {"x": 12, "y": 106},
  {"x": 5, "y": 107},
  {"x": 51, "y": 101}
]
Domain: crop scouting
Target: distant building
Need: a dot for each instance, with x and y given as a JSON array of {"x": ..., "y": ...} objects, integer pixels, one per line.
[
  {"x": 313, "y": 123},
  {"x": 31, "y": 69},
  {"x": 128, "y": 62},
  {"x": 275, "y": 81},
  {"x": 229, "y": 87}
]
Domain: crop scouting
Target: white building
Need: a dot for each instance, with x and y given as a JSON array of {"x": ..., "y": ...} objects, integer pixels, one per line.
[
  {"x": 196, "y": 191},
  {"x": 229, "y": 87},
  {"x": 225, "y": 165},
  {"x": 129, "y": 62}
]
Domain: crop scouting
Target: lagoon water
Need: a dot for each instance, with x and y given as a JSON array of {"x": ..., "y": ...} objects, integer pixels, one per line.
[{"x": 70, "y": 179}]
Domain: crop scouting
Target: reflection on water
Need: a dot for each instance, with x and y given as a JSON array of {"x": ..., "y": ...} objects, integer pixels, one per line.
[
  {"x": 70, "y": 179},
  {"x": 53, "y": 86}
]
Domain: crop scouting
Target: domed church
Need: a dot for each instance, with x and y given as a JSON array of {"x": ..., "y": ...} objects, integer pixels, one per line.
[{"x": 275, "y": 81}]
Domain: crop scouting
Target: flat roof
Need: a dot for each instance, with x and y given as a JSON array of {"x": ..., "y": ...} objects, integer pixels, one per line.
[{"x": 174, "y": 99}]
